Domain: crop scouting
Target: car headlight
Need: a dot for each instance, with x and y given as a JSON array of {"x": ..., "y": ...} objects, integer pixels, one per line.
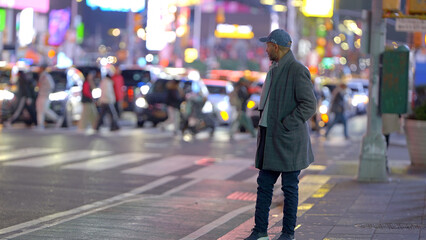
[
  {"x": 224, "y": 115},
  {"x": 144, "y": 89},
  {"x": 223, "y": 105},
  {"x": 207, "y": 108},
  {"x": 323, "y": 109},
  {"x": 58, "y": 96},
  {"x": 141, "y": 103},
  {"x": 357, "y": 99},
  {"x": 251, "y": 104},
  {"x": 6, "y": 95}
]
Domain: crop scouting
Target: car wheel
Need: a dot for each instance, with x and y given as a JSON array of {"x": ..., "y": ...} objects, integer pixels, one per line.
[
  {"x": 140, "y": 123},
  {"x": 68, "y": 116}
]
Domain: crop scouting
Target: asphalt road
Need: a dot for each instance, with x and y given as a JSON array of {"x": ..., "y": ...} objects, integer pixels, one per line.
[{"x": 58, "y": 182}]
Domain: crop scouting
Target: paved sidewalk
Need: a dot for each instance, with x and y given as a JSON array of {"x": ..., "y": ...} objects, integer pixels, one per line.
[{"x": 346, "y": 209}]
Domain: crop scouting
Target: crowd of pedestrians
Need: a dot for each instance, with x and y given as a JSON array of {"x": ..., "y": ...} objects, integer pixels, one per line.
[
  {"x": 38, "y": 104},
  {"x": 110, "y": 102}
]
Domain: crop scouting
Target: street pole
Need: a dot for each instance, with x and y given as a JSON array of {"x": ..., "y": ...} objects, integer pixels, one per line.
[
  {"x": 1, "y": 45},
  {"x": 372, "y": 165},
  {"x": 197, "y": 27},
  {"x": 74, "y": 13},
  {"x": 130, "y": 37}
]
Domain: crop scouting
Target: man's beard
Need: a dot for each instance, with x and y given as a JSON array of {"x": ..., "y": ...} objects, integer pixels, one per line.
[{"x": 273, "y": 57}]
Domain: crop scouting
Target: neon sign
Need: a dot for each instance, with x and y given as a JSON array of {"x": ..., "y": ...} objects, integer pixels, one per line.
[
  {"x": 119, "y": 6},
  {"x": 38, "y": 6}
]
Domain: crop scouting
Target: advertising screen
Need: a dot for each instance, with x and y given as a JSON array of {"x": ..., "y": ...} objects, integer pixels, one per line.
[
  {"x": 59, "y": 21},
  {"x": 38, "y": 6},
  {"x": 119, "y": 6}
]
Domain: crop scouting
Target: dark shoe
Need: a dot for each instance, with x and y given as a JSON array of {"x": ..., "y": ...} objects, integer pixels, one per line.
[
  {"x": 255, "y": 235},
  {"x": 285, "y": 236}
]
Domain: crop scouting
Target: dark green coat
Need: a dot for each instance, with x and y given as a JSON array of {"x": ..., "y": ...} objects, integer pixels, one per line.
[{"x": 291, "y": 104}]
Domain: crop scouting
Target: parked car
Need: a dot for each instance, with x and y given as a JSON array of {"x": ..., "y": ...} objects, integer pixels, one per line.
[
  {"x": 359, "y": 94},
  {"x": 349, "y": 107},
  {"x": 152, "y": 107},
  {"x": 65, "y": 100},
  {"x": 219, "y": 91},
  {"x": 253, "y": 103},
  {"x": 86, "y": 69},
  {"x": 7, "y": 93},
  {"x": 137, "y": 83}
]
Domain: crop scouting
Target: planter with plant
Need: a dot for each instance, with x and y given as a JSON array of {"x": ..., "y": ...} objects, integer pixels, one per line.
[{"x": 415, "y": 130}]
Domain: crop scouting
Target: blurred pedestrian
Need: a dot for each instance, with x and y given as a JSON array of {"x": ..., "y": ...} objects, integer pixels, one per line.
[
  {"x": 90, "y": 113},
  {"x": 390, "y": 123},
  {"x": 318, "y": 95},
  {"x": 238, "y": 99},
  {"x": 46, "y": 85},
  {"x": 25, "y": 101},
  {"x": 175, "y": 96},
  {"x": 118, "y": 80},
  {"x": 284, "y": 147},
  {"x": 338, "y": 108},
  {"x": 106, "y": 102},
  {"x": 192, "y": 116}
]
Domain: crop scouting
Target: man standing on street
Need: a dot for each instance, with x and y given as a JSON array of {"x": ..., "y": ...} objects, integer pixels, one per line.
[{"x": 284, "y": 147}]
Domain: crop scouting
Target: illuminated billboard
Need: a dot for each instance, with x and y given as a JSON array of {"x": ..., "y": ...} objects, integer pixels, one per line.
[
  {"x": 38, "y": 6},
  {"x": 119, "y": 6},
  {"x": 59, "y": 21},
  {"x": 318, "y": 8}
]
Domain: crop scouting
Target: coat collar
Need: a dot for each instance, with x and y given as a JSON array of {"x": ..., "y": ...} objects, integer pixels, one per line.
[{"x": 286, "y": 59}]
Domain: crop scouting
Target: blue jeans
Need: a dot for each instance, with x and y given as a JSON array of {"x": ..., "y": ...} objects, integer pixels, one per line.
[{"x": 266, "y": 181}]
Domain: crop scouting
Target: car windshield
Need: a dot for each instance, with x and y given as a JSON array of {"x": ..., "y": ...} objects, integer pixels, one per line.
[
  {"x": 159, "y": 86},
  {"x": 216, "y": 89},
  {"x": 135, "y": 77},
  {"x": 60, "y": 79},
  {"x": 86, "y": 69},
  {"x": 4, "y": 76},
  {"x": 354, "y": 89}
]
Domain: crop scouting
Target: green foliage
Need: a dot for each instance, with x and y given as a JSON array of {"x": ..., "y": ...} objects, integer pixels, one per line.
[{"x": 420, "y": 112}]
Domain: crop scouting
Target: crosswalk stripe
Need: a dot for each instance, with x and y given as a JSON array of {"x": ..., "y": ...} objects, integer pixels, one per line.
[
  {"x": 221, "y": 170},
  {"x": 5, "y": 147},
  {"x": 113, "y": 161},
  {"x": 26, "y": 152},
  {"x": 165, "y": 166},
  {"x": 58, "y": 158}
]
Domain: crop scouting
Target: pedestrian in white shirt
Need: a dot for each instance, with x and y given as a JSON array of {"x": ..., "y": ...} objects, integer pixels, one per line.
[
  {"x": 45, "y": 85},
  {"x": 107, "y": 101}
]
